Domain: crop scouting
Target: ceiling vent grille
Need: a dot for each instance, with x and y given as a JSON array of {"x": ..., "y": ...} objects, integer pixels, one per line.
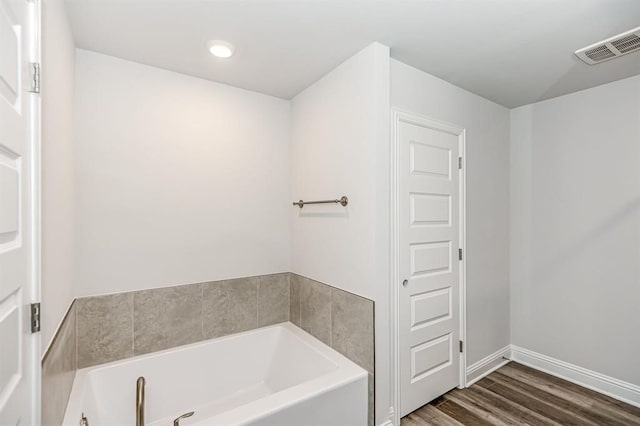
[
  {"x": 599, "y": 53},
  {"x": 611, "y": 48},
  {"x": 627, "y": 44}
]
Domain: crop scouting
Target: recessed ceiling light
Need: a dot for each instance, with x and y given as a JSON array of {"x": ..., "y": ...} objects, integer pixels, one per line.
[{"x": 221, "y": 49}]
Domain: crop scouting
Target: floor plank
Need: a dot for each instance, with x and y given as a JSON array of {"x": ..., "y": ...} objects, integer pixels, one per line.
[
  {"x": 630, "y": 409},
  {"x": 608, "y": 407},
  {"x": 486, "y": 412},
  {"x": 586, "y": 415},
  {"x": 433, "y": 416},
  {"x": 549, "y": 411},
  {"x": 519, "y": 395},
  {"x": 461, "y": 414},
  {"x": 514, "y": 411}
]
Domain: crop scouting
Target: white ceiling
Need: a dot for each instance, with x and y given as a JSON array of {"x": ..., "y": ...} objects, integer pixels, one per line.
[{"x": 513, "y": 52}]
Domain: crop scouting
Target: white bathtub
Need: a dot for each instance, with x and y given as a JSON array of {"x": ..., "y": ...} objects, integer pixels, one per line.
[{"x": 277, "y": 375}]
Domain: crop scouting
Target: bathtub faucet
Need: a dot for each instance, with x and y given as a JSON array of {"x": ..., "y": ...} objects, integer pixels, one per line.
[
  {"x": 176, "y": 422},
  {"x": 140, "y": 401}
]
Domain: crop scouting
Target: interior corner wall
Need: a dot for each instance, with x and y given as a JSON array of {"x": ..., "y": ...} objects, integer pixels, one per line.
[
  {"x": 340, "y": 146},
  {"x": 487, "y": 197},
  {"x": 575, "y": 215},
  {"x": 57, "y": 166},
  {"x": 179, "y": 179},
  {"x": 334, "y": 135}
]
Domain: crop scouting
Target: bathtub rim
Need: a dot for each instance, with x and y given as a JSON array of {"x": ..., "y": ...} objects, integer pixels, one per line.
[{"x": 346, "y": 372}]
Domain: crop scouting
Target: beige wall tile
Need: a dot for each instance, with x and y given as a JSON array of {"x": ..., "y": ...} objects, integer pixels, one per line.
[
  {"x": 315, "y": 309},
  {"x": 229, "y": 306},
  {"x": 295, "y": 284},
  {"x": 105, "y": 328},
  {"x": 58, "y": 371},
  {"x": 273, "y": 299},
  {"x": 352, "y": 331},
  {"x": 167, "y": 317}
]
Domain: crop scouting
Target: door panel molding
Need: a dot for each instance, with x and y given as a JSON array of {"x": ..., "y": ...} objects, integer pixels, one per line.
[{"x": 397, "y": 118}]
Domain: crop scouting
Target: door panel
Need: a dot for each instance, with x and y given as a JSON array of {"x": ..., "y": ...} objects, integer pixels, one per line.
[
  {"x": 429, "y": 242},
  {"x": 430, "y": 307},
  {"x": 9, "y": 190},
  {"x": 10, "y": 48},
  {"x": 430, "y": 209},
  {"x": 18, "y": 357},
  {"x": 430, "y": 160},
  {"x": 430, "y": 357},
  {"x": 430, "y": 258}
]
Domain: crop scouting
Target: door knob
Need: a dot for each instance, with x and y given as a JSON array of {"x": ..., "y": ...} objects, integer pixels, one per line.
[{"x": 405, "y": 283}]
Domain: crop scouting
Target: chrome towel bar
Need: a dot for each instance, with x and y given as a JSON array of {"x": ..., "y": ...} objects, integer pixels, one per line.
[{"x": 343, "y": 200}]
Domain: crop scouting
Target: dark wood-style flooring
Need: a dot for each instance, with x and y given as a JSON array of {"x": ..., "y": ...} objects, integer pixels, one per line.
[{"x": 519, "y": 395}]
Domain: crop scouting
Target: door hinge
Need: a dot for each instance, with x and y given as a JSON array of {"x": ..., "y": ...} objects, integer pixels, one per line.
[
  {"x": 35, "y": 317},
  {"x": 461, "y": 346},
  {"x": 459, "y": 254},
  {"x": 459, "y": 163},
  {"x": 34, "y": 69}
]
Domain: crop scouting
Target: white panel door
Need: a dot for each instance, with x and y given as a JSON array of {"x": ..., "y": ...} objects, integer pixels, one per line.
[
  {"x": 19, "y": 366},
  {"x": 429, "y": 238}
]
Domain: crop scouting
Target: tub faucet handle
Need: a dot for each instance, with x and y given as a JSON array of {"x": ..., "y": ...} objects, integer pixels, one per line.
[{"x": 176, "y": 422}]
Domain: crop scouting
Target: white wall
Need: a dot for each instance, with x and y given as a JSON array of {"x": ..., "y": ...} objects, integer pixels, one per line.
[
  {"x": 340, "y": 143},
  {"x": 58, "y": 65},
  {"x": 333, "y": 153},
  {"x": 487, "y": 203},
  {"x": 575, "y": 214},
  {"x": 179, "y": 180}
]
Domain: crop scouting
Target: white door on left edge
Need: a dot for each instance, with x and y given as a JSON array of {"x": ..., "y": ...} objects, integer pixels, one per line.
[
  {"x": 19, "y": 358},
  {"x": 429, "y": 231}
]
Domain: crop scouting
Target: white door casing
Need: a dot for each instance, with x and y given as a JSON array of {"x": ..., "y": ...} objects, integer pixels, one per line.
[
  {"x": 429, "y": 233},
  {"x": 19, "y": 206}
]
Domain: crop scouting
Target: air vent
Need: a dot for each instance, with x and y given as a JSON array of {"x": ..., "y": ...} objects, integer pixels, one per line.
[
  {"x": 611, "y": 48},
  {"x": 627, "y": 44},
  {"x": 600, "y": 53}
]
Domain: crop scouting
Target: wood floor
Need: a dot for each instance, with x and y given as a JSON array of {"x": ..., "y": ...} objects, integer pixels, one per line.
[{"x": 519, "y": 395}]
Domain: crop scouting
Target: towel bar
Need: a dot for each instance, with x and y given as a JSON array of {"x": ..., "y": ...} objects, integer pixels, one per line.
[{"x": 343, "y": 200}]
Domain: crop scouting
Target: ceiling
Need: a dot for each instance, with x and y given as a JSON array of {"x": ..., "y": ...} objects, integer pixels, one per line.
[{"x": 513, "y": 52}]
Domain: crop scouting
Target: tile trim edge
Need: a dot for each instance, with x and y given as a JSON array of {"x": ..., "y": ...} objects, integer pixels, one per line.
[{"x": 56, "y": 334}]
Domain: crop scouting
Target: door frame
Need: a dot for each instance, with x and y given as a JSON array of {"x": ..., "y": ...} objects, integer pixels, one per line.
[
  {"x": 35, "y": 56},
  {"x": 400, "y": 116}
]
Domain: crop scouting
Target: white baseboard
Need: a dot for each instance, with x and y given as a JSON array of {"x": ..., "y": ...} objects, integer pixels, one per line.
[
  {"x": 387, "y": 423},
  {"x": 618, "y": 389},
  {"x": 487, "y": 365}
]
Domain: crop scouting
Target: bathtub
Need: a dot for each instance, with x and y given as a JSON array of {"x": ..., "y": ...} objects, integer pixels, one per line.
[{"x": 277, "y": 376}]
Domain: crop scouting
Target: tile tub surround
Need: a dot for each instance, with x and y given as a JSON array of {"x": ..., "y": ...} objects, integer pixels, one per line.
[
  {"x": 123, "y": 325},
  {"x": 230, "y": 307},
  {"x": 338, "y": 318},
  {"x": 164, "y": 318},
  {"x": 59, "y": 365},
  {"x": 107, "y": 328},
  {"x": 104, "y": 325}
]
